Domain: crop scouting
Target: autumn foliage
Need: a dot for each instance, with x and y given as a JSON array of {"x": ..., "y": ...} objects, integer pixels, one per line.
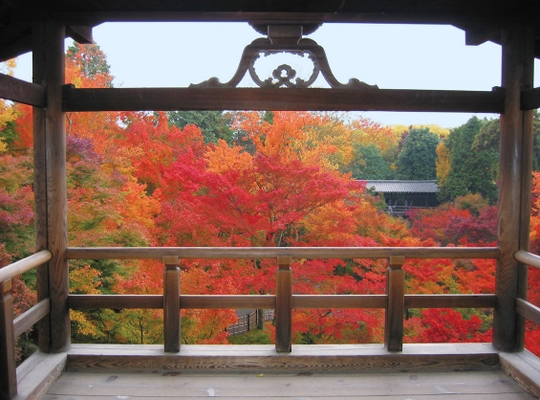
[{"x": 134, "y": 179}]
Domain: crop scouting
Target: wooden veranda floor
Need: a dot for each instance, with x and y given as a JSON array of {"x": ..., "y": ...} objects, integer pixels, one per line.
[
  {"x": 419, "y": 372},
  {"x": 152, "y": 385}
]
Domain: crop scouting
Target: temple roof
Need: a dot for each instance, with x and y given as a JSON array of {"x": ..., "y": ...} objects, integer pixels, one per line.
[{"x": 403, "y": 186}]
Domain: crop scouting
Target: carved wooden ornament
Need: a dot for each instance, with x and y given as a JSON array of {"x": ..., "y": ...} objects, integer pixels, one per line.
[{"x": 284, "y": 39}]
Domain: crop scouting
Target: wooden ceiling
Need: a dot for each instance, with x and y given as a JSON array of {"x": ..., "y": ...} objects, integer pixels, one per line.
[{"x": 481, "y": 19}]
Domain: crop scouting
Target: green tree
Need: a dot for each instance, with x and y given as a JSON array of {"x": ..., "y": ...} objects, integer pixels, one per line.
[
  {"x": 214, "y": 125},
  {"x": 368, "y": 163},
  {"x": 416, "y": 160},
  {"x": 488, "y": 140},
  {"x": 471, "y": 166}
]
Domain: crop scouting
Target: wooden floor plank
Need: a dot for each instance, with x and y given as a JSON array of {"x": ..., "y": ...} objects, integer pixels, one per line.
[{"x": 492, "y": 385}]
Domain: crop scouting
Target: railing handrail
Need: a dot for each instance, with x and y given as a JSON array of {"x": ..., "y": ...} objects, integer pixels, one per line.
[
  {"x": 526, "y": 257},
  {"x": 273, "y": 252},
  {"x": 26, "y": 264}
]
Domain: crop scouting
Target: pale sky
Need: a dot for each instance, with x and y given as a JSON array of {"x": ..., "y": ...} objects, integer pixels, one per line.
[{"x": 390, "y": 56}]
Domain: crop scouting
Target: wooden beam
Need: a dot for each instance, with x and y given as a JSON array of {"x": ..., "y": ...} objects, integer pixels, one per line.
[
  {"x": 478, "y": 34},
  {"x": 170, "y": 99},
  {"x": 240, "y": 302},
  {"x": 528, "y": 310},
  {"x": 528, "y": 258},
  {"x": 359, "y": 14},
  {"x": 15, "y": 46},
  {"x": 131, "y": 253},
  {"x": 22, "y": 92},
  {"x": 81, "y": 34},
  {"x": 530, "y": 99},
  {"x": 114, "y": 301},
  {"x": 237, "y": 302},
  {"x": 26, "y": 320},
  {"x": 339, "y": 301},
  {"x": 331, "y": 358},
  {"x": 450, "y": 300},
  {"x": 24, "y": 265}
]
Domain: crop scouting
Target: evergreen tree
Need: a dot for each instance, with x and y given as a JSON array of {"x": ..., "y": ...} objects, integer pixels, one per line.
[
  {"x": 368, "y": 163},
  {"x": 489, "y": 138},
  {"x": 416, "y": 160},
  {"x": 214, "y": 125},
  {"x": 471, "y": 166}
]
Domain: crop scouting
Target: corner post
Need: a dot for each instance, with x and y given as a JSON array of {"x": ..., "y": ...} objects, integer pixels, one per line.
[
  {"x": 171, "y": 304},
  {"x": 55, "y": 144},
  {"x": 40, "y": 180},
  {"x": 284, "y": 305},
  {"x": 395, "y": 281},
  {"x": 514, "y": 184},
  {"x": 8, "y": 368}
]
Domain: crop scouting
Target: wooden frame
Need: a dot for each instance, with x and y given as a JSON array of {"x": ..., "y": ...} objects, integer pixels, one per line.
[{"x": 51, "y": 99}]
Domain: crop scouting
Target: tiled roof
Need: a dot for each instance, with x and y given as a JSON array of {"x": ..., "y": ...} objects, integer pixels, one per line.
[{"x": 403, "y": 186}]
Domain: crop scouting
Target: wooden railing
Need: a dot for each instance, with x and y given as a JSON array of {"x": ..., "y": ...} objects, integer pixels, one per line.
[
  {"x": 523, "y": 307},
  {"x": 11, "y": 329},
  {"x": 394, "y": 301}
]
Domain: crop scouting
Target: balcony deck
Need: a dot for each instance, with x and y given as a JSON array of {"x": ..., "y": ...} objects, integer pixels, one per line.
[
  {"x": 421, "y": 371},
  {"x": 480, "y": 385}
]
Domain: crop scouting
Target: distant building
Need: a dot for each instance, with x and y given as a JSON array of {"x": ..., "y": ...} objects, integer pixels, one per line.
[{"x": 399, "y": 196}]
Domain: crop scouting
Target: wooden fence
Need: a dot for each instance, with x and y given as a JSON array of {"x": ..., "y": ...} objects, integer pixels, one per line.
[{"x": 248, "y": 321}]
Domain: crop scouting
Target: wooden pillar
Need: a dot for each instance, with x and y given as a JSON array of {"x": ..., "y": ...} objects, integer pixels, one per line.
[
  {"x": 393, "y": 328},
  {"x": 40, "y": 181},
  {"x": 50, "y": 155},
  {"x": 8, "y": 368},
  {"x": 514, "y": 184},
  {"x": 171, "y": 304},
  {"x": 284, "y": 305}
]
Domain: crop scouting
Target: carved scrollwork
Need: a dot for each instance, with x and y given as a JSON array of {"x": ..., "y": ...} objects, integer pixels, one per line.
[
  {"x": 284, "y": 75},
  {"x": 284, "y": 39}
]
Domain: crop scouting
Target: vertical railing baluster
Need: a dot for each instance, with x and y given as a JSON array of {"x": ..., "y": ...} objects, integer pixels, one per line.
[
  {"x": 393, "y": 330},
  {"x": 171, "y": 304},
  {"x": 8, "y": 368},
  {"x": 284, "y": 305}
]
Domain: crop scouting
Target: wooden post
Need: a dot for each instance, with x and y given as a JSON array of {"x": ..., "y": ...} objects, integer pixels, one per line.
[
  {"x": 514, "y": 184},
  {"x": 284, "y": 305},
  {"x": 395, "y": 281},
  {"x": 8, "y": 368},
  {"x": 55, "y": 142},
  {"x": 171, "y": 304},
  {"x": 40, "y": 181}
]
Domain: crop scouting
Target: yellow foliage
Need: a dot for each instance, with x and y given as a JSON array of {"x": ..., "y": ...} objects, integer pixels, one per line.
[
  {"x": 443, "y": 163},
  {"x": 436, "y": 129},
  {"x": 7, "y": 113},
  {"x": 222, "y": 158},
  {"x": 366, "y": 132}
]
